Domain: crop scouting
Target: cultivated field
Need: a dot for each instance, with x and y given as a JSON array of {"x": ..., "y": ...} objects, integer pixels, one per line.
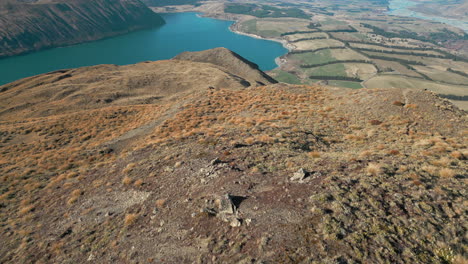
[
  {"x": 388, "y": 66},
  {"x": 347, "y": 54},
  {"x": 379, "y": 48},
  {"x": 318, "y": 57},
  {"x": 443, "y": 75},
  {"x": 317, "y": 44},
  {"x": 362, "y": 71},
  {"x": 395, "y": 81},
  {"x": 296, "y": 37}
]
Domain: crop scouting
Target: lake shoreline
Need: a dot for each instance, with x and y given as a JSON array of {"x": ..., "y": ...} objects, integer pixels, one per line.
[
  {"x": 160, "y": 43},
  {"x": 281, "y": 60}
]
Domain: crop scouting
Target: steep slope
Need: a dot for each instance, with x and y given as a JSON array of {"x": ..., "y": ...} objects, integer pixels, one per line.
[
  {"x": 26, "y": 27},
  {"x": 273, "y": 174}
]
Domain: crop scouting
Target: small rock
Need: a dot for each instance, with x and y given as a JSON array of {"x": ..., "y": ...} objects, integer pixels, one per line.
[
  {"x": 226, "y": 205},
  {"x": 300, "y": 175},
  {"x": 235, "y": 222}
]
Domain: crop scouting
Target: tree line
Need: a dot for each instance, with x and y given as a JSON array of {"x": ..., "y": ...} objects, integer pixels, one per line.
[
  {"x": 314, "y": 50},
  {"x": 335, "y": 62},
  {"x": 304, "y": 39},
  {"x": 335, "y": 78}
]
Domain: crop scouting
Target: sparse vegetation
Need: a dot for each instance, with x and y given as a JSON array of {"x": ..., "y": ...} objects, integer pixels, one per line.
[{"x": 369, "y": 164}]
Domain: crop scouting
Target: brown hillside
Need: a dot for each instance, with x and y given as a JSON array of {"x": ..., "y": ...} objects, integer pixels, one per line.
[
  {"x": 231, "y": 61},
  {"x": 176, "y": 172},
  {"x": 94, "y": 87}
]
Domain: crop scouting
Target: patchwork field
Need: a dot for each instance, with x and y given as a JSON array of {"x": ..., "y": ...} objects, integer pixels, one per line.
[
  {"x": 317, "y": 44},
  {"x": 349, "y": 36},
  {"x": 286, "y": 77},
  {"x": 337, "y": 69},
  {"x": 389, "y": 66},
  {"x": 389, "y": 49},
  {"x": 326, "y": 55},
  {"x": 299, "y": 36},
  {"x": 448, "y": 63},
  {"x": 362, "y": 71},
  {"x": 442, "y": 75},
  {"x": 318, "y": 57},
  {"x": 347, "y": 54},
  {"x": 386, "y": 51},
  {"x": 274, "y": 27},
  {"x": 393, "y": 81}
]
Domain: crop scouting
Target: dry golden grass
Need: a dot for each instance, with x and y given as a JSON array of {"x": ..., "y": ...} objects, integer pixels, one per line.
[
  {"x": 129, "y": 167},
  {"x": 127, "y": 180},
  {"x": 447, "y": 173},
  {"x": 138, "y": 183},
  {"x": 374, "y": 169},
  {"x": 75, "y": 194},
  {"x": 430, "y": 169},
  {"x": 457, "y": 155},
  {"x": 249, "y": 140},
  {"x": 314, "y": 154},
  {"x": 160, "y": 203},
  {"x": 442, "y": 162},
  {"x": 224, "y": 121},
  {"x": 130, "y": 219},
  {"x": 365, "y": 153},
  {"x": 411, "y": 106},
  {"x": 26, "y": 209}
]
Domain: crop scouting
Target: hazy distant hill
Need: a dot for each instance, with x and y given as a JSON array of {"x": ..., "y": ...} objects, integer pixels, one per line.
[{"x": 26, "y": 27}]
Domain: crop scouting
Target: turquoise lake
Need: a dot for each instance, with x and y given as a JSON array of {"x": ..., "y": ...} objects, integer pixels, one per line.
[{"x": 182, "y": 32}]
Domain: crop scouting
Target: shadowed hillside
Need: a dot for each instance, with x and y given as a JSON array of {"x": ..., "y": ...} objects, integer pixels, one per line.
[
  {"x": 179, "y": 162},
  {"x": 26, "y": 27}
]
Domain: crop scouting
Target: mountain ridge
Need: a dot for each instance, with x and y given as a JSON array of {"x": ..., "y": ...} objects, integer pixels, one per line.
[{"x": 188, "y": 164}]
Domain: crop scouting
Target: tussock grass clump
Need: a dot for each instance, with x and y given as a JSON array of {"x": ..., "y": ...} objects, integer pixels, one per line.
[
  {"x": 129, "y": 168},
  {"x": 130, "y": 219},
  {"x": 447, "y": 173},
  {"x": 75, "y": 194},
  {"x": 314, "y": 154},
  {"x": 127, "y": 180},
  {"x": 457, "y": 155},
  {"x": 374, "y": 169},
  {"x": 160, "y": 203},
  {"x": 138, "y": 183}
]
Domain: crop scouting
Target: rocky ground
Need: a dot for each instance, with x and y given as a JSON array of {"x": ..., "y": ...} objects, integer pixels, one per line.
[{"x": 224, "y": 172}]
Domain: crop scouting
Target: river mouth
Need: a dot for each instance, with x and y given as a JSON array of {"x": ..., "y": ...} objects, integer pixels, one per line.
[{"x": 182, "y": 32}]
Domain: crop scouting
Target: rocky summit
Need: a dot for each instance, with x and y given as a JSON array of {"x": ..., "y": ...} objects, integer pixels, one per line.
[{"x": 206, "y": 159}]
